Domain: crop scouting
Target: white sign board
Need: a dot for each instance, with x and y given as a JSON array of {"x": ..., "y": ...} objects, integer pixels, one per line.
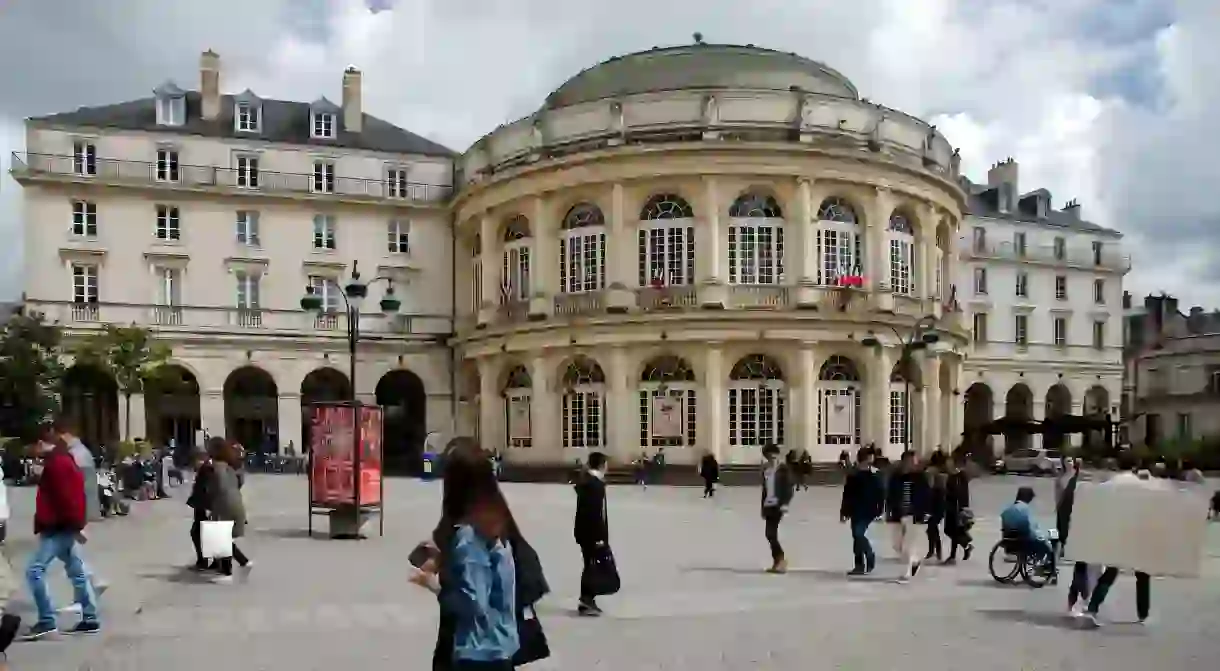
[
  {"x": 839, "y": 407},
  {"x": 666, "y": 416},
  {"x": 1155, "y": 526},
  {"x": 518, "y": 417}
]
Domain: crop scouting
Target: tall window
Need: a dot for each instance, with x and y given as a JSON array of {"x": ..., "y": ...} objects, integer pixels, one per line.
[
  {"x": 979, "y": 330},
  {"x": 84, "y": 158},
  {"x": 1097, "y": 247},
  {"x": 327, "y": 289},
  {"x": 167, "y": 165},
  {"x": 247, "y": 289},
  {"x": 1022, "y": 289},
  {"x": 756, "y": 402},
  {"x": 247, "y": 172},
  {"x": 980, "y": 281},
  {"x": 1099, "y": 291},
  {"x": 517, "y": 390},
  {"x": 1061, "y": 288},
  {"x": 247, "y": 228},
  {"x": 1099, "y": 334},
  {"x": 1061, "y": 331},
  {"x": 84, "y": 283},
  {"x": 168, "y": 223},
  {"x": 323, "y": 125},
  {"x": 980, "y": 239},
  {"x": 396, "y": 183},
  {"x": 398, "y": 237},
  {"x": 666, "y": 244},
  {"x": 840, "y": 242},
  {"x": 668, "y": 409},
  {"x": 84, "y": 218},
  {"x": 324, "y": 232},
  {"x": 902, "y": 379},
  {"x": 246, "y": 116},
  {"x": 756, "y": 240},
  {"x": 839, "y": 405},
  {"x": 584, "y": 408},
  {"x": 582, "y": 250},
  {"x": 1018, "y": 243},
  {"x": 1060, "y": 249},
  {"x": 902, "y": 254},
  {"x": 169, "y": 286},
  {"x": 476, "y": 274},
  {"x": 323, "y": 177},
  {"x": 1020, "y": 325},
  {"x": 515, "y": 261}
]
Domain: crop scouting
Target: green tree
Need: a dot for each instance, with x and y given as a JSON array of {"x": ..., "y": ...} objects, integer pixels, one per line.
[
  {"x": 129, "y": 354},
  {"x": 31, "y": 369}
]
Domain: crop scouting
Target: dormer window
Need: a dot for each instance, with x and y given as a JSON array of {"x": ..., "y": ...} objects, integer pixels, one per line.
[
  {"x": 171, "y": 105},
  {"x": 324, "y": 119},
  {"x": 247, "y": 112}
]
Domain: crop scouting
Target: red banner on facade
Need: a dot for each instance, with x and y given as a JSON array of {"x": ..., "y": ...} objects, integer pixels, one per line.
[{"x": 332, "y": 474}]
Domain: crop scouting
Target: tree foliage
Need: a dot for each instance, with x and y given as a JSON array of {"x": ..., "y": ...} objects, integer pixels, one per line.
[
  {"x": 130, "y": 355},
  {"x": 30, "y": 371}
]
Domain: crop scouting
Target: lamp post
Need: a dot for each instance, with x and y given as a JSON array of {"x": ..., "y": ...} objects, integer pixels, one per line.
[
  {"x": 353, "y": 294},
  {"x": 922, "y": 334}
]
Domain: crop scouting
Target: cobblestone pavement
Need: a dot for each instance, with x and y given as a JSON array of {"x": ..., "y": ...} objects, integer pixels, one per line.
[{"x": 694, "y": 594}]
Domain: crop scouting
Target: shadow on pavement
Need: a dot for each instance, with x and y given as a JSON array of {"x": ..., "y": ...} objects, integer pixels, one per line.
[
  {"x": 183, "y": 576},
  {"x": 287, "y": 533},
  {"x": 991, "y": 582},
  {"x": 736, "y": 570},
  {"x": 1056, "y": 620}
]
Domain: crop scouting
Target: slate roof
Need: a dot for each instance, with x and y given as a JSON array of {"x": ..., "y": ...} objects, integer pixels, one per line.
[
  {"x": 984, "y": 201},
  {"x": 282, "y": 121}
]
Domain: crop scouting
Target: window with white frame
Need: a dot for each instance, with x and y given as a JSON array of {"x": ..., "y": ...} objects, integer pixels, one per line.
[
  {"x": 1018, "y": 243},
  {"x": 248, "y": 289},
  {"x": 476, "y": 274},
  {"x": 247, "y": 117},
  {"x": 839, "y": 412},
  {"x": 518, "y": 390},
  {"x": 1022, "y": 289},
  {"x": 169, "y": 226},
  {"x": 167, "y": 165},
  {"x": 666, "y": 243},
  {"x": 171, "y": 109},
  {"x": 396, "y": 183},
  {"x": 840, "y": 242},
  {"x": 327, "y": 290},
  {"x": 979, "y": 324},
  {"x": 398, "y": 236},
  {"x": 902, "y": 379},
  {"x": 247, "y": 228},
  {"x": 84, "y": 158},
  {"x": 1060, "y": 249},
  {"x": 756, "y": 240},
  {"x": 247, "y": 172},
  {"x": 1061, "y": 288},
  {"x": 169, "y": 286},
  {"x": 980, "y": 281},
  {"x": 901, "y": 235},
  {"x": 583, "y": 405},
  {"x": 1099, "y": 334},
  {"x": 1097, "y": 247},
  {"x": 980, "y": 239},
  {"x": 668, "y": 404},
  {"x": 324, "y": 125},
  {"x": 84, "y": 218},
  {"x": 84, "y": 283},
  {"x": 323, "y": 177},
  {"x": 1099, "y": 291},
  {"x": 1061, "y": 331},
  {"x": 324, "y": 232},
  {"x": 582, "y": 250},
  {"x": 515, "y": 261},
  {"x": 1020, "y": 329},
  {"x": 756, "y": 402}
]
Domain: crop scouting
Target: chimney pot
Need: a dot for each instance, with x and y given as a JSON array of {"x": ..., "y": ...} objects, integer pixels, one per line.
[
  {"x": 353, "y": 109},
  {"x": 209, "y": 85}
]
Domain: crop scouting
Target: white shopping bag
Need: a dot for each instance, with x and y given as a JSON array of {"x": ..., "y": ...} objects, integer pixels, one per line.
[{"x": 216, "y": 539}]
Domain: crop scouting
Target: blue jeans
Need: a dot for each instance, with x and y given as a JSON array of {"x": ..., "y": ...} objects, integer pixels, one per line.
[
  {"x": 860, "y": 545},
  {"x": 61, "y": 546}
]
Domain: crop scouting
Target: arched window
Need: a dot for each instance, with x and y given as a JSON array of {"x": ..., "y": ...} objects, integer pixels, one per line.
[
  {"x": 901, "y": 234},
  {"x": 476, "y": 274},
  {"x": 840, "y": 242},
  {"x": 666, "y": 246},
  {"x": 756, "y": 402},
  {"x": 668, "y": 409},
  {"x": 582, "y": 250},
  {"x": 515, "y": 280},
  {"x": 903, "y": 380},
  {"x": 838, "y": 406},
  {"x": 518, "y": 389},
  {"x": 756, "y": 240},
  {"x": 584, "y": 409}
]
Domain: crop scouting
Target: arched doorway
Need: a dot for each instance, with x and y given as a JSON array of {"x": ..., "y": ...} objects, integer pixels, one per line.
[
  {"x": 252, "y": 409},
  {"x": 91, "y": 406},
  {"x": 1096, "y": 406},
  {"x": 979, "y": 405},
  {"x": 1058, "y": 404},
  {"x": 171, "y": 407},
  {"x": 321, "y": 385},
  {"x": 668, "y": 408},
  {"x": 904, "y": 381},
  {"x": 1018, "y": 404},
  {"x": 583, "y": 404},
  {"x": 756, "y": 403},
  {"x": 839, "y": 412},
  {"x": 401, "y": 394}
]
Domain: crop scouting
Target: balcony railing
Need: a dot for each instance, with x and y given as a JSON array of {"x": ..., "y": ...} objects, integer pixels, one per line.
[
  {"x": 167, "y": 315},
  {"x": 1076, "y": 258},
  {"x": 758, "y": 297},
  {"x": 261, "y": 181},
  {"x": 85, "y": 312},
  {"x": 327, "y": 321},
  {"x": 666, "y": 298},
  {"x": 587, "y": 303},
  {"x": 514, "y": 311},
  {"x": 248, "y": 318}
]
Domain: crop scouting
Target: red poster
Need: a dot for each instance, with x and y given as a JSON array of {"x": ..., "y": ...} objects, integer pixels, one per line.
[{"x": 332, "y": 474}]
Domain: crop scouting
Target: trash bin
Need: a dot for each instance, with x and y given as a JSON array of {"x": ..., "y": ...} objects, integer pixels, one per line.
[{"x": 430, "y": 466}]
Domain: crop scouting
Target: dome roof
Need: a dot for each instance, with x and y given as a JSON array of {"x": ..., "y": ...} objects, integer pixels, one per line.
[{"x": 700, "y": 66}]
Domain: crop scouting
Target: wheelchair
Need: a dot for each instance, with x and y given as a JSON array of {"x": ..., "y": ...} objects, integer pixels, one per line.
[{"x": 1029, "y": 561}]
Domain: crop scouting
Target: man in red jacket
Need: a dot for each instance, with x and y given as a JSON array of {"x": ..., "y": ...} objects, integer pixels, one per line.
[{"x": 59, "y": 523}]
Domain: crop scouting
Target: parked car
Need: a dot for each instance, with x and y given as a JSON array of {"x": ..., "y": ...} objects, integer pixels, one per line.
[{"x": 1034, "y": 460}]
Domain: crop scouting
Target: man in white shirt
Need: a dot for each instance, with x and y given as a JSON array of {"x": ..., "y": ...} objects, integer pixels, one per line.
[{"x": 777, "y": 490}]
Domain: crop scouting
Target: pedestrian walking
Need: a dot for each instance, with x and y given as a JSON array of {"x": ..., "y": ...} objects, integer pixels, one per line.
[
  {"x": 958, "y": 516},
  {"x": 804, "y": 470},
  {"x": 1064, "y": 501},
  {"x": 709, "y": 470},
  {"x": 777, "y": 490},
  {"x": 863, "y": 502},
  {"x": 225, "y": 504},
  {"x": 10, "y": 623},
  {"x": 201, "y": 497},
  {"x": 906, "y": 505},
  {"x": 591, "y": 529},
  {"x": 85, "y": 463}
]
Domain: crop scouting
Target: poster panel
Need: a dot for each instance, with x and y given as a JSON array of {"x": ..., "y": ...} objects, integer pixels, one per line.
[
  {"x": 371, "y": 422},
  {"x": 331, "y": 440},
  {"x": 1155, "y": 526},
  {"x": 666, "y": 416},
  {"x": 839, "y": 407},
  {"x": 518, "y": 417}
]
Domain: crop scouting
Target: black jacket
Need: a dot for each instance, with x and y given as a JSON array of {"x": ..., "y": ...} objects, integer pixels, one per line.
[
  {"x": 591, "y": 525},
  {"x": 783, "y": 486},
  {"x": 201, "y": 490},
  {"x": 863, "y": 496},
  {"x": 957, "y": 495},
  {"x": 709, "y": 468},
  {"x": 920, "y": 496}
]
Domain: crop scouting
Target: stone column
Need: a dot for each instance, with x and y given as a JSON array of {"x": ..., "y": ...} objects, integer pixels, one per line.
[
  {"x": 489, "y": 257},
  {"x": 544, "y": 413},
  {"x": 932, "y": 406},
  {"x": 955, "y": 401},
  {"x": 712, "y": 419},
  {"x": 212, "y": 412},
  {"x": 876, "y": 399},
  {"x": 709, "y": 254},
  {"x": 876, "y": 221},
  {"x": 135, "y": 426},
  {"x": 491, "y": 429},
  {"x": 544, "y": 262},
  {"x": 804, "y": 413},
  {"x": 998, "y": 409},
  {"x": 289, "y": 421},
  {"x": 621, "y": 261},
  {"x": 622, "y": 428},
  {"x": 802, "y": 264}
]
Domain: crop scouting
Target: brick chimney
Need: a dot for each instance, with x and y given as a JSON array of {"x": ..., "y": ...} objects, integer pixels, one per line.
[
  {"x": 1072, "y": 210},
  {"x": 209, "y": 85},
  {"x": 353, "y": 110},
  {"x": 1003, "y": 177}
]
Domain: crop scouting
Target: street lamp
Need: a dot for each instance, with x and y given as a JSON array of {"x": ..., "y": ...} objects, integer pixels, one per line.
[
  {"x": 353, "y": 294},
  {"x": 922, "y": 334}
]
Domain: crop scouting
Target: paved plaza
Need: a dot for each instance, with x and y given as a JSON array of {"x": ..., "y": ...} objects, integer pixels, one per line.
[{"x": 694, "y": 596}]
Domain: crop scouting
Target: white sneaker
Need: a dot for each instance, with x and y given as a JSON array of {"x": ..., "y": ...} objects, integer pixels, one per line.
[
  {"x": 70, "y": 608},
  {"x": 1076, "y": 610},
  {"x": 1091, "y": 620},
  {"x": 222, "y": 580}
]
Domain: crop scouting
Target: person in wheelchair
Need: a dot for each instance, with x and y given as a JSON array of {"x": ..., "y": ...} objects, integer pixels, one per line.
[{"x": 1017, "y": 524}]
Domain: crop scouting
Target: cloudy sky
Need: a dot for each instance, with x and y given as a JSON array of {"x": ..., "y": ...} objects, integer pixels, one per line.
[{"x": 1106, "y": 101}]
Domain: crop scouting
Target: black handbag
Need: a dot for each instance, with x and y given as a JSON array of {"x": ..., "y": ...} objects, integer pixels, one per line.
[
  {"x": 601, "y": 573},
  {"x": 532, "y": 638}
]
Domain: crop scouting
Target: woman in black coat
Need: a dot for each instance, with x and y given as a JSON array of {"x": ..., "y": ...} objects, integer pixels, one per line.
[{"x": 957, "y": 512}]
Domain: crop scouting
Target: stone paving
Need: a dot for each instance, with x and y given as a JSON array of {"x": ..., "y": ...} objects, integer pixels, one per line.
[{"x": 694, "y": 595}]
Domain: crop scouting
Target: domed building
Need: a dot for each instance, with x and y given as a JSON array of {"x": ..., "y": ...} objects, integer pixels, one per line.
[{"x": 708, "y": 248}]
